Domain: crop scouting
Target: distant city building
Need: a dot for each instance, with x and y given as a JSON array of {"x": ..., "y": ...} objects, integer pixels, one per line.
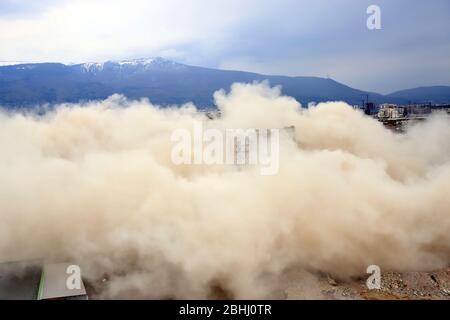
[
  {"x": 243, "y": 147},
  {"x": 391, "y": 111},
  {"x": 368, "y": 107},
  {"x": 412, "y": 111}
]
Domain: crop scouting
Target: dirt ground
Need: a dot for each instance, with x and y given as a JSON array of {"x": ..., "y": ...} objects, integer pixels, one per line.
[
  {"x": 394, "y": 286},
  {"x": 302, "y": 285}
]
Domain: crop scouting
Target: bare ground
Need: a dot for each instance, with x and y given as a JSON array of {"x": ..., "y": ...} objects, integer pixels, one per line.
[{"x": 394, "y": 286}]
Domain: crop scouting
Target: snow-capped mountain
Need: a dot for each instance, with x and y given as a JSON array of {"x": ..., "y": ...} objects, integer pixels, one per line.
[
  {"x": 10, "y": 63},
  {"x": 135, "y": 64},
  {"x": 163, "y": 81}
]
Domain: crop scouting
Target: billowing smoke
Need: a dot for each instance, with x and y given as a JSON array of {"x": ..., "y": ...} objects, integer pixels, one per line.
[{"x": 94, "y": 184}]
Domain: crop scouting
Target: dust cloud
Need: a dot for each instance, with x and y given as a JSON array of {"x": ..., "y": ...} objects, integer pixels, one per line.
[{"x": 94, "y": 184}]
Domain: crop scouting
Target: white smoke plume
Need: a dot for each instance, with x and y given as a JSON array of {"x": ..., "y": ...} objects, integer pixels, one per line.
[{"x": 94, "y": 184}]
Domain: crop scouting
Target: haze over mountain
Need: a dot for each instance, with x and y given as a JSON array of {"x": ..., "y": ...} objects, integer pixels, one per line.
[
  {"x": 167, "y": 82},
  {"x": 435, "y": 94}
]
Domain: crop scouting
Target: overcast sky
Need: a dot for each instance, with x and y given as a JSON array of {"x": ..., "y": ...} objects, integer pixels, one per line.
[{"x": 288, "y": 37}]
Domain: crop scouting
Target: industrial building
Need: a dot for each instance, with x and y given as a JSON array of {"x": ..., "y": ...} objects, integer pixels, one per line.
[{"x": 35, "y": 281}]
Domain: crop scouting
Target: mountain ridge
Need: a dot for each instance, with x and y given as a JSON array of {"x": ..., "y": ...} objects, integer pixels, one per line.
[
  {"x": 163, "y": 81},
  {"x": 425, "y": 94}
]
